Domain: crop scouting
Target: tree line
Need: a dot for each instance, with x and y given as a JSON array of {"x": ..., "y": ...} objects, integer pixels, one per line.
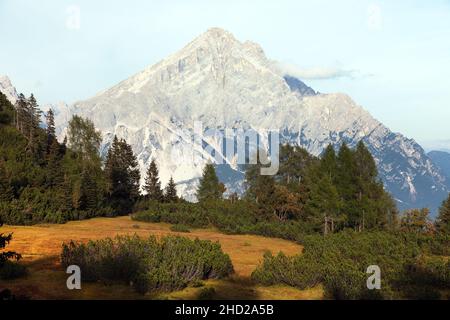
[{"x": 44, "y": 180}]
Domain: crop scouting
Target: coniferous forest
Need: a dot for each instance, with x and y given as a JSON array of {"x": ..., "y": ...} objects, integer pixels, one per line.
[{"x": 335, "y": 205}]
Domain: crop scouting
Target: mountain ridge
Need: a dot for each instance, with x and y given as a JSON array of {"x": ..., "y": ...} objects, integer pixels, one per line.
[{"x": 225, "y": 83}]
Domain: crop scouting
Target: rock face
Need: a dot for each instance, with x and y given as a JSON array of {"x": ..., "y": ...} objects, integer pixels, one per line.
[
  {"x": 442, "y": 160},
  {"x": 224, "y": 83},
  {"x": 8, "y": 89}
]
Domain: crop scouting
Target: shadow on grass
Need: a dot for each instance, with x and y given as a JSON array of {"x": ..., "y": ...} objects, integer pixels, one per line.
[{"x": 232, "y": 288}]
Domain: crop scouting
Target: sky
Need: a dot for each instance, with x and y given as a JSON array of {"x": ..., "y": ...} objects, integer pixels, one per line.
[{"x": 391, "y": 57}]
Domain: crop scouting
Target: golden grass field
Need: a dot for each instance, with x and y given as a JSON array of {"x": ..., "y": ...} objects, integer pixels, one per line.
[{"x": 40, "y": 247}]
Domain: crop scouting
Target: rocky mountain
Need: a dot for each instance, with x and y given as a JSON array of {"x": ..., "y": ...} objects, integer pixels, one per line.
[
  {"x": 8, "y": 89},
  {"x": 222, "y": 83},
  {"x": 442, "y": 160}
]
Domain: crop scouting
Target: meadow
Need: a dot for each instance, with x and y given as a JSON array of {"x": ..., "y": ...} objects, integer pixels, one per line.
[{"x": 40, "y": 246}]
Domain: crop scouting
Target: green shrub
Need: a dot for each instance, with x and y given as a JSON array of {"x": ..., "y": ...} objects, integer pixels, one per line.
[
  {"x": 339, "y": 262},
  {"x": 165, "y": 265},
  {"x": 180, "y": 228},
  {"x": 240, "y": 217}
]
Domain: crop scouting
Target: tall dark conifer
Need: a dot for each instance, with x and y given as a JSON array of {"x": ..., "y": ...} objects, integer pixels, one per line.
[
  {"x": 170, "y": 192},
  {"x": 122, "y": 174},
  {"x": 152, "y": 184},
  {"x": 210, "y": 188},
  {"x": 443, "y": 220},
  {"x": 50, "y": 128}
]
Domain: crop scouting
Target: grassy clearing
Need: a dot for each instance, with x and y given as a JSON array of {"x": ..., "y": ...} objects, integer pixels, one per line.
[{"x": 40, "y": 246}]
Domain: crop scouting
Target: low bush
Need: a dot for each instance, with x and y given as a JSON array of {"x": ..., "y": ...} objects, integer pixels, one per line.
[
  {"x": 12, "y": 270},
  {"x": 339, "y": 262},
  {"x": 169, "y": 264},
  {"x": 231, "y": 218},
  {"x": 180, "y": 228}
]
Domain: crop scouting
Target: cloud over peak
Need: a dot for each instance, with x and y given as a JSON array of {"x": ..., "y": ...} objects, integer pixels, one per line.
[{"x": 314, "y": 73}]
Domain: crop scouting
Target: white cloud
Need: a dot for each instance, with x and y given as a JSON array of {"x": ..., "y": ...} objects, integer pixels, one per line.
[{"x": 314, "y": 73}]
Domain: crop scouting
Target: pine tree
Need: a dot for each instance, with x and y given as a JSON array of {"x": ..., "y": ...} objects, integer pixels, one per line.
[
  {"x": 89, "y": 192},
  {"x": 152, "y": 184},
  {"x": 6, "y": 191},
  {"x": 55, "y": 172},
  {"x": 6, "y": 110},
  {"x": 122, "y": 174},
  {"x": 210, "y": 188},
  {"x": 170, "y": 192},
  {"x": 347, "y": 186},
  {"x": 323, "y": 205},
  {"x": 33, "y": 119},
  {"x": 443, "y": 220},
  {"x": 328, "y": 163},
  {"x": 21, "y": 113},
  {"x": 50, "y": 129}
]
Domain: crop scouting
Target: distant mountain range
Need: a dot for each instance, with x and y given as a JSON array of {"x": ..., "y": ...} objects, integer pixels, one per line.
[
  {"x": 442, "y": 160},
  {"x": 225, "y": 83}
]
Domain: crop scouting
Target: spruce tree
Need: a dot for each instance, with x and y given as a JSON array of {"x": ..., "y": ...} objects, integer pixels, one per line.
[
  {"x": 152, "y": 184},
  {"x": 122, "y": 174},
  {"x": 443, "y": 220},
  {"x": 21, "y": 113},
  {"x": 6, "y": 191},
  {"x": 89, "y": 192},
  {"x": 210, "y": 188},
  {"x": 170, "y": 192},
  {"x": 328, "y": 163},
  {"x": 7, "y": 111},
  {"x": 323, "y": 205},
  {"x": 347, "y": 186},
  {"x": 50, "y": 129},
  {"x": 33, "y": 119},
  {"x": 261, "y": 188}
]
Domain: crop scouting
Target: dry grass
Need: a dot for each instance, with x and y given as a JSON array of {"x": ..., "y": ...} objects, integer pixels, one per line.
[{"x": 41, "y": 245}]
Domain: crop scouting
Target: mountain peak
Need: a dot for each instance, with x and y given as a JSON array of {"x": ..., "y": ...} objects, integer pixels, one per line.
[
  {"x": 8, "y": 89},
  {"x": 225, "y": 83},
  {"x": 216, "y": 32}
]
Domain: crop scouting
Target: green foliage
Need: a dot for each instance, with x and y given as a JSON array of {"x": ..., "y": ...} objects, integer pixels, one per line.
[
  {"x": 326, "y": 194},
  {"x": 84, "y": 139},
  {"x": 122, "y": 174},
  {"x": 150, "y": 265},
  {"x": 339, "y": 262},
  {"x": 170, "y": 192},
  {"x": 239, "y": 217},
  {"x": 6, "y": 110},
  {"x": 152, "y": 184},
  {"x": 443, "y": 220},
  {"x": 180, "y": 228},
  {"x": 210, "y": 188},
  {"x": 42, "y": 180},
  {"x": 9, "y": 269},
  {"x": 416, "y": 221}
]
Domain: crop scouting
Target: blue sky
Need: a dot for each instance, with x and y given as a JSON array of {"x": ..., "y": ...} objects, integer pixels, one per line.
[{"x": 392, "y": 57}]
